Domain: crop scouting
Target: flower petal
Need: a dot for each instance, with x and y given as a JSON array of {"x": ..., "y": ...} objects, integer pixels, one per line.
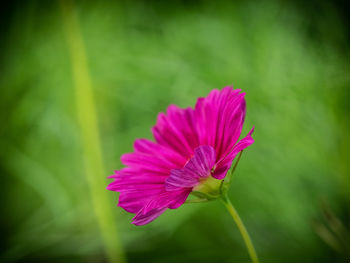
[
  {"x": 133, "y": 202},
  {"x": 198, "y": 167},
  {"x": 143, "y": 219},
  {"x": 203, "y": 161},
  {"x": 136, "y": 187},
  {"x": 176, "y": 130},
  {"x": 219, "y": 119},
  {"x": 224, "y": 164},
  {"x": 189, "y": 143},
  {"x": 159, "y": 152},
  {"x": 158, "y": 205},
  {"x": 180, "y": 178}
]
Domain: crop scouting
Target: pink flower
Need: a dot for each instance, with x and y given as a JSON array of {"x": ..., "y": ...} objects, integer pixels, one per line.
[{"x": 191, "y": 146}]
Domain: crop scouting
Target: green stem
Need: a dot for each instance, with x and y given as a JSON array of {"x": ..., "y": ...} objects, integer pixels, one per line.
[
  {"x": 89, "y": 133},
  {"x": 242, "y": 229}
]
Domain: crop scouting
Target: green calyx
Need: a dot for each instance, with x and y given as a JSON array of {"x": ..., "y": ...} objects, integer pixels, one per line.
[{"x": 212, "y": 188}]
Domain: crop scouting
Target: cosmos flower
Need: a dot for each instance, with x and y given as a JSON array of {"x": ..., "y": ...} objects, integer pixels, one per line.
[{"x": 192, "y": 152}]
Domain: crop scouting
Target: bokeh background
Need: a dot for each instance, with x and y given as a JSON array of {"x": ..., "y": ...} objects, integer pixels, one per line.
[{"x": 81, "y": 80}]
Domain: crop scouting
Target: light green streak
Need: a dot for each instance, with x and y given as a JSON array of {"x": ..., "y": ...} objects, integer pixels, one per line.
[
  {"x": 87, "y": 118},
  {"x": 247, "y": 240}
]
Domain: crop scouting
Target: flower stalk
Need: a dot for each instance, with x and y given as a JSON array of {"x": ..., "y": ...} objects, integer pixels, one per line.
[
  {"x": 208, "y": 192},
  {"x": 233, "y": 212},
  {"x": 245, "y": 235}
]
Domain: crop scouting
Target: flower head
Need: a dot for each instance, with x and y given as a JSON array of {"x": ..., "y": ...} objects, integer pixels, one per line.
[{"x": 193, "y": 150}]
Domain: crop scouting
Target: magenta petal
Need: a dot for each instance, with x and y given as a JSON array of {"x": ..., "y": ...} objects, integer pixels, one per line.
[
  {"x": 203, "y": 161},
  {"x": 162, "y": 200},
  {"x": 179, "y": 178},
  {"x": 158, "y": 205},
  {"x": 198, "y": 167},
  {"x": 181, "y": 198},
  {"x": 219, "y": 119},
  {"x": 136, "y": 200},
  {"x": 146, "y": 162},
  {"x": 189, "y": 143},
  {"x": 224, "y": 164},
  {"x": 143, "y": 219},
  {"x": 176, "y": 130},
  {"x": 159, "y": 152},
  {"x": 128, "y": 178}
]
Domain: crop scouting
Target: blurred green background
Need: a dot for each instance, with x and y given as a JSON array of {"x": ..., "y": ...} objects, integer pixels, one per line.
[{"x": 292, "y": 186}]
